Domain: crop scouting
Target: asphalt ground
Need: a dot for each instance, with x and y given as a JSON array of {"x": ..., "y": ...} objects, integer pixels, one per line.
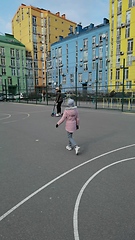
[{"x": 49, "y": 193}]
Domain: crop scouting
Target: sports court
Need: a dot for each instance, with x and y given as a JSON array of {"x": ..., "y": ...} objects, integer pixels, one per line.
[{"x": 49, "y": 193}]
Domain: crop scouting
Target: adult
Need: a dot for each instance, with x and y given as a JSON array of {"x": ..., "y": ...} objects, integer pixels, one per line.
[{"x": 58, "y": 101}]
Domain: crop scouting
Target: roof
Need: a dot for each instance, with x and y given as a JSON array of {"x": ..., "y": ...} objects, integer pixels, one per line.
[
  {"x": 9, "y": 38},
  {"x": 83, "y": 31}
]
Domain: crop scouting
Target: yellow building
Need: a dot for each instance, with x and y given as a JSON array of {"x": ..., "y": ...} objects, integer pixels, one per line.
[
  {"x": 37, "y": 29},
  {"x": 122, "y": 45}
]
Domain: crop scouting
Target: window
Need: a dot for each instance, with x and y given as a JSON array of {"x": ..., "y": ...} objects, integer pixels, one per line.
[
  {"x": 112, "y": 9},
  {"x": 100, "y": 75},
  {"x": 100, "y": 52},
  {"x": 127, "y": 31},
  {"x": 126, "y": 73},
  {"x": 34, "y": 38},
  {"x": 118, "y": 33},
  {"x": 64, "y": 79},
  {"x": 9, "y": 81},
  {"x": 119, "y": 8},
  {"x": 85, "y": 56},
  {"x": 117, "y": 85},
  {"x": 34, "y": 29},
  {"x": 12, "y": 52},
  {"x": 59, "y": 51},
  {"x": 118, "y": 48},
  {"x": 71, "y": 28},
  {"x": 128, "y": 85},
  {"x": 93, "y": 65},
  {"x": 85, "y": 43},
  {"x": 18, "y": 72},
  {"x": 17, "y": 53},
  {"x": 93, "y": 53},
  {"x": 2, "y": 51},
  {"x": 13, "y": 71},
  {"x": 80, "y": 77},
  {"x": 3, "y": 61},
  {"x": 117, "y": 74},
  {"x": 131, "y": 3},
  {"x": 90, "y": 77},
  {"x": 119, "y": 21},
  {"x": 34, "y": 20},
  {"x": 100, "y": 38},
  {"x": 117, "y": 60},
  {"x": 93, "y": 41},
  {"x": 100, "y": 63},
  {"x": 71, "y": 77},
  {"x": 13, "y": 62},
  {"x": 129, "y": 59},
  {"x": 128, "y": 16},
  {"x": 3, "y": 71},
  {"x": 130, "y": 46},
  {"x": 85, "y": 66}
]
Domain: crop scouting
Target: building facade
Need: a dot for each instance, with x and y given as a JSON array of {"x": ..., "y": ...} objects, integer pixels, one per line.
[
  {"x": 37, "y": 29},
  {"x": 12, "y": 65},
  {"x": 80, "y": 59},
  {"x": 122, "y": 46}
]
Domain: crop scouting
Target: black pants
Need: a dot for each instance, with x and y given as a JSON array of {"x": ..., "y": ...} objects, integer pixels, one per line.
[{"x": 59, "y": 107}]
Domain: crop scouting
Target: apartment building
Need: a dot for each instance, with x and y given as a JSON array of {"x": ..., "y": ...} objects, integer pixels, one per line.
[
  {"x": 37, "y": 29},
  {"x": 122, "y": 46},
  {"x": 81, "y": 58},
  {"x": 12, "y": 65}
]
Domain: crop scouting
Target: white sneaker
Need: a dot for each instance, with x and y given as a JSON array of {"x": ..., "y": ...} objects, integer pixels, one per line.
[
  {"x": 68, "y": 148},
  {"x": 77, "y": 150},
  {"x": 57, "y": 115}
]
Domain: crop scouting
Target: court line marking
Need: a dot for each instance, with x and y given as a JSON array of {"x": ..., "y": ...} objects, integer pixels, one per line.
[
  {"x": 77, "y": 203},
  {"x": 57, "y": 178},
  {"x": 9, "y": 115},
  {"x": 28, "y": 115}
]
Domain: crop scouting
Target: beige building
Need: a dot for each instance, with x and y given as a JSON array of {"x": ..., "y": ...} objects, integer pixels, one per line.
[{"x": 37, "y": 29}]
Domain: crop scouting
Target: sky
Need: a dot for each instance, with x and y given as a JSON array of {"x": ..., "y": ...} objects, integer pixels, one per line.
[{"x": 86, "y": 12}]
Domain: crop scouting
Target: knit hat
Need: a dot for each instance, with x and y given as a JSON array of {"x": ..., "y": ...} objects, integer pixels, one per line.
[{"x": 70, "y": 102}]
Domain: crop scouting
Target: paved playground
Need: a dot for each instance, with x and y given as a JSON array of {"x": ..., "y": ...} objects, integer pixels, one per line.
[{"x": 49, "y": 193}]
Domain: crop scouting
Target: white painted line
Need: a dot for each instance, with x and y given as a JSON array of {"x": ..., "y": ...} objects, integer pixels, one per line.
[
  {"x": 9, "y": 115},
  {"x": 75, "y": 215},
  {"x": 28, "y": 115},
  {"x": 57, "y": 178}
]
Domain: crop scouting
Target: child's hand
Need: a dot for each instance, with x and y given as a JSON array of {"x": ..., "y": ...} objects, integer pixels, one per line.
[{"x": 57, "y": 125}]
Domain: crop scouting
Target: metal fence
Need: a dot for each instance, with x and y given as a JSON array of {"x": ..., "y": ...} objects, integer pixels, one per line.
[{"x": 84, "y": 97}]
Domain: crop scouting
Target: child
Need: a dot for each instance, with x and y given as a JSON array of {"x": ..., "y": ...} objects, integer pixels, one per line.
[{"x": 71, "y": 117}]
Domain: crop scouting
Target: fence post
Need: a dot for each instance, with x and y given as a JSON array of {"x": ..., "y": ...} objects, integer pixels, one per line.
[
  {"x": 5, "y": 88},
  {"x": 46, "y": 89},
  {"x": 76, "y": 85},
  {"x": 123, "y": 84},
  {"x": 96, "y": 85}
]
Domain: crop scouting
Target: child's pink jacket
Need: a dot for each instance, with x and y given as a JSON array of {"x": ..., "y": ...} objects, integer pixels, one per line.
[{"x": 71, "y": 117}]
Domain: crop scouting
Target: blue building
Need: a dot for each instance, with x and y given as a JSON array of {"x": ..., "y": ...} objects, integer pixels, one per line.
[{"x": 81, "y": 59}]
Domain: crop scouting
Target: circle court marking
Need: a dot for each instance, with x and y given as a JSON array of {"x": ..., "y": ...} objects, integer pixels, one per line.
[
  {"x": 57, "y": 178},
  {"x": 75, "y": 215},
  {"x": 9, "y": 115}
]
